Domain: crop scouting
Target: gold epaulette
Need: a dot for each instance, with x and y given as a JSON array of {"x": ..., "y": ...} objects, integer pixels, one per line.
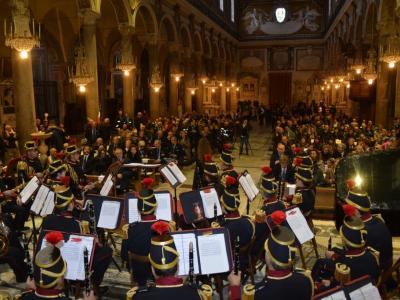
[
  {"x": 375, "y": 253},
  {"x": 297, "y": 198},
  {"x": 172, "y": 226},
  {"x": 260, "y": 216},
  {"x": 249, "y": 292},
  {"x": 22, "y": 165},
  {"x": 131, "y": 293},
  {"x": 215, "y": 224},
  {"x": 342, "y": 273},
  {"x": 205, "y": 292},
  {"x": 379, "y": 216},
  {"x": 125, "y": 230}
]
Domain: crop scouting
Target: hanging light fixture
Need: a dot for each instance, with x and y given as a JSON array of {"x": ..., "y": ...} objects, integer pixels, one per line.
[
  {"x": 80, "y": 74},
  {"x": 358, "y": 66},
  {"x": 155, "y": 81},
  {"x": 20, "y": 36},
  {"x": 177, "y": 73},
  {"x": 126, "y": 64},
  {"x": 370, "y": 74},
  {"x": 391, "y": 54}
]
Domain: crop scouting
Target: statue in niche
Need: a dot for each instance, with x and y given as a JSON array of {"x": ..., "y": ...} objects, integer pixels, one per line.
[{"x": 258, "y": 20}]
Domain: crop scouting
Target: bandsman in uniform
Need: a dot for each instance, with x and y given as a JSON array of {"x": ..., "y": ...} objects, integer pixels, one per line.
[
  {"x": 281, "y": 281},
  {"x": 238, "y": 226},
  {"x": 210, "y": 175},
  {"x": 63, "y": 220},
  {"x": 358, "y": 258},
  {"x": 49, "y": 269},
  {"x": 378, "y": 235},
  {"x": 29, "y": 165},
  {"x": 74, "y": 168},
  {"x": 164, "y": 260},
  {"x": 226, "y": 165},
  {"x": 304, "y": 197},
  {"x": 139, "y": 235}
]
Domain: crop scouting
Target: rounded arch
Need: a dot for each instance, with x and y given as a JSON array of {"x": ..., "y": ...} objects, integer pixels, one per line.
[
  {"x": 121, "y": 9},
  {"x": 198, "y": 45},
  {"x": 207, "y": 47},
  {"x": 144, "y": 19},
  {"x": 167, "y": 28},
  {"x": 186, "y": 39},
  {"x": 215, "y": 50}
]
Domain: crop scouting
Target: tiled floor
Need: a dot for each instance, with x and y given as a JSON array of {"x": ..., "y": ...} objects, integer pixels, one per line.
[{"x": 260, "y": 141}]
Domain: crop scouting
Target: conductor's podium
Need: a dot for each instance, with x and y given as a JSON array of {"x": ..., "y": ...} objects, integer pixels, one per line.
[{"x": 324, "y": 203}]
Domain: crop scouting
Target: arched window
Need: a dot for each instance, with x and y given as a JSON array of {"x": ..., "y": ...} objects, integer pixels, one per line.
[
  {"x": 221, "y": 5},
  {"x": 233, "y": 10}
]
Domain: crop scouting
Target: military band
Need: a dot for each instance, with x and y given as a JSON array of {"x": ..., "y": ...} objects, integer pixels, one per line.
[{"x": 149, "y": 248}]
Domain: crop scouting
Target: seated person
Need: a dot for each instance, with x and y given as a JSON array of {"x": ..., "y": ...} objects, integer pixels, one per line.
[{"x": 283, "y": 171}]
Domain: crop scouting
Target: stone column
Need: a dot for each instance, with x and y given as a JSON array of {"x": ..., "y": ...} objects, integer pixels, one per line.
[
  {"x": 154, "y": 96},
  {"x": 382, "y": 95},
  {"x": 223, "y": 99},
  {"x": 89, "y": 40},
  {"x": 173, "y": 97},
  {"x": 188, "y": 100},
  {"x": 128, "y": 78},
  {"x": 233, "y": 106},
  {"x": 25, "y": 111},
  {"x": 397, "y": 104}
]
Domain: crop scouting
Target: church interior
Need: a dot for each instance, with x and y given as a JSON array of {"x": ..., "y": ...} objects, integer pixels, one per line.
[{"x": 132, "y": 130}]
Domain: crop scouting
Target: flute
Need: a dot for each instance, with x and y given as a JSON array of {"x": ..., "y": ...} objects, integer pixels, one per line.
[
  {"x": 87, "y": 271},
  {"x": 236, "y": 255},
  {"x": 191, "y": 264},
  {"x": 28, "y": 260}
]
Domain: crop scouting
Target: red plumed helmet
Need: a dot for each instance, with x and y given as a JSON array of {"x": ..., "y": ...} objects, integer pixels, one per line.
[
  {"x": 298, "y": 161},
  {"x": 66, "y": 180},
  {"x": 278, "y": 217},
  {"x": 208, "y": 157},
  {"x": 349, "y": 210},
  {"x": 54, "y": 237},
  {"x": 351, "y": 184},
  {"x": 160, "y": 227},
  {"x": 266, "y": 170},
  {"x": 230, "y": 180},
  {"x": 297, "y": 150},
  {"x": 227, "y": 146},
  {"x": 147, "y": 181},
  {"x": 60, "y": 155}
]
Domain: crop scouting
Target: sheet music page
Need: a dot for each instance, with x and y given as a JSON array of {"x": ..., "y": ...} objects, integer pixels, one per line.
[
  {"x": 163, "y": 210},
  {"x": 133, "y": 212},
  {"x": 49, "y": 205},
  {"x": 367, "y": 292},
  {"x": 109, "y": 214},
  {"x": 85, "y": 242},
  {"x": 170, "y": 177},
  {"x": 39, "y": 199},
  {"x": 29, "y": 189},
  {"x": 246, "y": 187},
  {"x": 141, "y": 165},
  {"x": 182, "y": 241},
  {"x": 177, "y": 172},
  {"x": 340, "y": 295},
  {"x": 299, "y": 225},
  {"x": 290, "y": 189},
  {"x": 213, "y": 254},
  {"x": 253, "y": 187},
  {"x": 107, "y": 186},
  {"x": 210, "y": 197}
]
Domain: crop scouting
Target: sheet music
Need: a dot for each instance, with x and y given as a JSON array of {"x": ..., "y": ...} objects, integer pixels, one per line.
[
  {"x": 39, "y": 199},
  {"x": 177, "y": 172},
  {"x": 107, "y": 186},
  {"x": 210, "y": 198},
  {"x": 246, "y": 187},
  {"x": 164, "y": 210},
  {"x": 170, "y": 177},
  {"x": 133, "y": 212},
  {"x": 29, "y": 189},
  {"x": 182, "y": 241},
  {"x": 49, "y": 205},
  {"x": 340, "y": 295},
  {"x": 299, "y": 225},
  {"x": 291, "y": 189},
  {"x": 109, "y": 214},
  {"x": 253, "y": 187},
  {"x": 213, "y": 254},
  {"x": 141, "y": 165},
  {"x": 367, "y": 292}
]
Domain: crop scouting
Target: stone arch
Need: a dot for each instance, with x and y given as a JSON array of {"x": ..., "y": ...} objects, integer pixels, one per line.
[
  {"x": 370, "y": 22},
  {"x": 197, "y": 43},
  {"x": 186, "y": 39},
  {"x": 122, "y": 11},
  {"x": 222, "y": 51},
  {"x": 207, "y": 47},
  {"x": 144, "y": 19},
  {"x": 167, "y": 28},
  {"x": 215, "y": 50}
]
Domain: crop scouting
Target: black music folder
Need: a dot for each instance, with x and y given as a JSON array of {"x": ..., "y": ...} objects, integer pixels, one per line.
[
  {"x": 199, "y": 205},
  {"x": 72, "y": 252},
  {"x": 212, "y": 252},
  {"x": 108, "y": 211},
  {"x": 173, "y": 174},
  {"x": 163, "y": 210}
]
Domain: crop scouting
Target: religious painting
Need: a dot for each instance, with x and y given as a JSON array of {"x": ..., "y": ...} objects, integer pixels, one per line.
[
  {"x": 280, "y": 59},
  {"x": 249, "y": 88},
  {"x": 7, "y": 97},
  {"x": 309, "y": 59},
  {"x": 271, "y": 19}
]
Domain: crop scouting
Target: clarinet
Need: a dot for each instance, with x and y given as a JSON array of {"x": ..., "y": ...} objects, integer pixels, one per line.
[
  {"x": 236, "y": 255},
  {"x": 87, "y": 271},
  {"x": 28, "y": 260},
  {"x": 191, "y": 264},
  {"x": 92, "y": 217},
  {"x": 330, "y": 243}
]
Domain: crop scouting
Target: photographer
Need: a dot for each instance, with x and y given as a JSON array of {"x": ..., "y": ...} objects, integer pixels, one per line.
[{"x": 244, "y": 137}]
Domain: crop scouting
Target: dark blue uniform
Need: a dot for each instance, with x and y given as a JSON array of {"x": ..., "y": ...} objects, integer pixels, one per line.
[
  {"x": 308, "y": 201},
  {"x": 37, "y": 296},
  {"x": 285, "y": 285}
]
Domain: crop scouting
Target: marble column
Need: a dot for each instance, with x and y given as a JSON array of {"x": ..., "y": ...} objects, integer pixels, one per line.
[
  {"x": 24, "y": 97},
  {"x": 188, "y": 100},
  {"x": 90, "y": 43},
  {"x": 233, "y": 106},
  {"x": 397, "y": 104},
  {"x": 128, "y": 80},
  {"x": 154, "y": 96},
  {"x": 173, "y": 96},
  {"x": 223, "y": 99},
  {"x": 382, "y": 95}
]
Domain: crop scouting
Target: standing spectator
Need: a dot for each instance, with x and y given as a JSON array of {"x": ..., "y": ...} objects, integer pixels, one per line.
[{"x": 244, "y": 137}]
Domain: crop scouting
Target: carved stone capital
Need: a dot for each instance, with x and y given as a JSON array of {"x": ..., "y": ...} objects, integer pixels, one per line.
[{"x": 89, "y": 16}]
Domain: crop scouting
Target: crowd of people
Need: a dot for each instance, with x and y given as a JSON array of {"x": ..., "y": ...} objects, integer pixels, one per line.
[{"x": 304, "y": 138}]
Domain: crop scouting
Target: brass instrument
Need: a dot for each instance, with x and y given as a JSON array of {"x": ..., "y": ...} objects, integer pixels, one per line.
[
  {"x": 342, "y": 273},
  {"x": 297, "y": 198},
  {"x": 4, "y": 231},
  {"x": 215, "y": 223},
  {"x": 206, "y": 291},
  {"x": 249, "y": 292}
]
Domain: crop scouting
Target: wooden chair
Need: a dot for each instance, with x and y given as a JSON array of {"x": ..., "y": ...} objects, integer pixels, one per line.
[{"x": 386, "y": 275}]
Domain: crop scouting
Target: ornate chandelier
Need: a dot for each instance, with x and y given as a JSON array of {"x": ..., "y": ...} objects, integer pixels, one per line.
[
  {"x": 80, "y": 75},
  {"x": 391, "y": 55},
  {"x": 20, "y": 36},
  {"x": 358, "y": 66},
  {"x": 126, "y": 64},
  {"x": 155, "y": 81},
  {"x": 177, "y": 73},
  {"x": 370, "y": 74}
]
